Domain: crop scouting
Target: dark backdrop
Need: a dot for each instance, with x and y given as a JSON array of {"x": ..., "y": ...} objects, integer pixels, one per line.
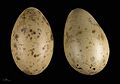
[{"x": 56, "y": 12}]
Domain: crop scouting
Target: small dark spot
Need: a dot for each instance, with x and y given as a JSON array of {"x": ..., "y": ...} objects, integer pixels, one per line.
[
  {"x": 43, "y": 67},
  {"x": 30, "y": 30},
  {"x": 28, "y": 35},
  {"x": 47, "y": 23},
  {"x": 43, "y": 48},
  {"x": 79, "y": 27},
  {"x": 102, "y": 37},
  {"x": 36, "y": 70},
  {"x": 39, "y": 33},
  {"x": 77, "y": 65},
  {"x": 93, "y": 68},
  {"x": 44, "y": 56},
  {"x": 15, "y": 45},
  {"x": 30, "y": 38},
  {"x": 79, "y": 68},
  {"x": 32, "y": 52},
  {"x": 23, "y": 17},
  {"x": 51, "y": 37},
  {"x": 80, "y": 50},
  {"x": 16, "y": 37},
  {"x": 17, "y": 58},
  {"x": 86, "y": 47},
  {"x": 36, "y": 55},
  {"x": 34, "y": 32},
  {"x": 38, "y": 36},
  {"x": 93, "y": 31}
]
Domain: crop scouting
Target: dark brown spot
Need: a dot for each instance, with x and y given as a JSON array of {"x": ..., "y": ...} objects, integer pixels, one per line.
[
  {"x": 93, "y": 68},
  {"x": 79, "y": 68},
  {"x": 77, "y": 65},
  {"x": 17, "y": 58},
  {"x": 36, "y": 70},
  {"x": 43, "y": 48},
  {"x": 102, "y": 36},
  {"x": 16, "y": 37},
  {"x": 34, "y": 32},
  {"x": 47, "y": 23},
  {"x": 36, "y": 55},
  {"x": 44, "y": 56},
  {"x": 93, "y": 31},
  {"x": 32, "y": 51},
  {"x": 30, "y": 38},
  {"x": 30, "y": 30},
  {"x": 80, "y": 50},
  {"x": 28, "y": 35},
  {"x": 43, "y": 67},
  {"x": 38, "y": 36}
]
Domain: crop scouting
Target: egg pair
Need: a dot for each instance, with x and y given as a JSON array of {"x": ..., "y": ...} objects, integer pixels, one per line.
[{"x": 85, "y": 44}]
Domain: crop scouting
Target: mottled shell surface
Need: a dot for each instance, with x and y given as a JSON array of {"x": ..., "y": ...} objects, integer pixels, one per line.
[
  {"x": 32, "y": 42},
  {"x": 85, "y": 44}
]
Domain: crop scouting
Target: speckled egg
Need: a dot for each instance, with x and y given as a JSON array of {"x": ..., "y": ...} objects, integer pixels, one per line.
[
  {"x": 85, "y": 44},
  {"x": 32, "y": 42}
]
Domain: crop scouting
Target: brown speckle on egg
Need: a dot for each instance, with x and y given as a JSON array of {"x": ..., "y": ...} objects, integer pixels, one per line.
[
  {"x": 16, "y": 37},
  {"x": 93, "y": 31},
  {"x": 36, "y": 55},
  {"x": 93, "y": 68},
  {"x": 87, "y": 42},
  {"x": 17, "y": 58}
]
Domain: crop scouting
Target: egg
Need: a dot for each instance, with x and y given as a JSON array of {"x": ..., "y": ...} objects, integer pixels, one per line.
[
  {"x": 32, "y": 42},
  {"x": 85, "y": 43}
]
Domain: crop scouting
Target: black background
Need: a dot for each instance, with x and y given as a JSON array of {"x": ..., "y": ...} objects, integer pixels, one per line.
[{"x": 56, "y": 12}]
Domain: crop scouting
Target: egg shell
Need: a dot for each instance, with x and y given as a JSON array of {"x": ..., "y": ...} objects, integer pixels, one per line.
[
  {"x": 85, "y": 43},
  {"x": 32, "y": 42}
]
